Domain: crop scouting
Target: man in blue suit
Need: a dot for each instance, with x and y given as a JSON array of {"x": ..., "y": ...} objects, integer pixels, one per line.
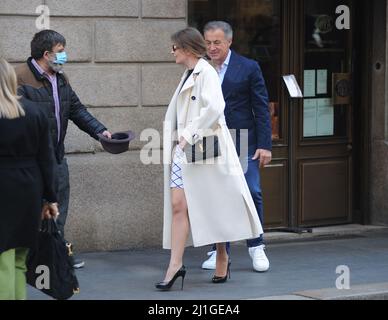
[{"x": 246, "y": 113}]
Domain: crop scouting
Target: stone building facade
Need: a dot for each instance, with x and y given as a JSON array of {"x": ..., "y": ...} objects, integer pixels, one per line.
[{"x": 122, "y": 69}]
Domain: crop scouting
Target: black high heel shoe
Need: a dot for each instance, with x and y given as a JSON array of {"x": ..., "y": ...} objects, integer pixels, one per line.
[
  {"x": 164, "y": 286},
  {"x": 216, "y": 279}
]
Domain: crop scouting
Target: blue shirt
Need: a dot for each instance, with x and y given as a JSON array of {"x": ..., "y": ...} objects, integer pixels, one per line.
[{"x": 224, "y": 67}]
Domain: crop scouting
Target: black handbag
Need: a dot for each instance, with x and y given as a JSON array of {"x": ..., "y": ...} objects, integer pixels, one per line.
[
  {"x": 207, "y": 148},
  {"x": 55, "y": 254}
]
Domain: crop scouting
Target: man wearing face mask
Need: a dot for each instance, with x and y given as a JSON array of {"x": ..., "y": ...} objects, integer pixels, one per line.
[{"x": 42, "y": 80}]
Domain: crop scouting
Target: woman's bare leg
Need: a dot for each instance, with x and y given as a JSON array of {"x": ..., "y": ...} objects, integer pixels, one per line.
[
  {"x": 179, "y": 231},
  {"x": 222, "y": 260}
]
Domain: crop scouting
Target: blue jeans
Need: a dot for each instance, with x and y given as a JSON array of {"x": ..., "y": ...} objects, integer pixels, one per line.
[{"x": 252, "y": 176}]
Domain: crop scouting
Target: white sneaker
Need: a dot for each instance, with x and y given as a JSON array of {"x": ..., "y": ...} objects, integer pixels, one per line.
[
  {"x": 210, "y": 263},
  {"x": 259, "y": 259}
]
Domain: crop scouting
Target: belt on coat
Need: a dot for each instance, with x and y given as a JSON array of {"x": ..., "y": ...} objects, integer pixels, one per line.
[{"x": 17, "y": 162}]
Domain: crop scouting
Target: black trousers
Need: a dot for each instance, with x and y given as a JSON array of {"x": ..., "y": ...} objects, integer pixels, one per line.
[{"x": 63, "y": 194}]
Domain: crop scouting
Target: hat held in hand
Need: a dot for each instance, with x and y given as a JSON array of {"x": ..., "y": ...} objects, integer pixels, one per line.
[{"x": 119, "y": 142}]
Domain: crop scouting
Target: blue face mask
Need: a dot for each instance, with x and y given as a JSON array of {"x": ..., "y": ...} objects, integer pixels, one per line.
[{"x": 61, "y": 58}]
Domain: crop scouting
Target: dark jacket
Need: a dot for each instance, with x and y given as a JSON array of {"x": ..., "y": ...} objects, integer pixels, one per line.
[
  {"x": 27, "y": 176},
  {"x": 246, "y": 99},
  {"x": 35, "y": 87}
]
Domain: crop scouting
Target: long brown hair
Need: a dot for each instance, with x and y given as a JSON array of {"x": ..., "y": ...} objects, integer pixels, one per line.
[
  {"x": 10, "y": 107},
  {"x": 190, "y": 39}
]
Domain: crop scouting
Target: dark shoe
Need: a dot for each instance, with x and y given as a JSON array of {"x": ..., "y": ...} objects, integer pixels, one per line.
[
  {"x": 217, "y": 279},
  {"x": 164, "y": 286}
]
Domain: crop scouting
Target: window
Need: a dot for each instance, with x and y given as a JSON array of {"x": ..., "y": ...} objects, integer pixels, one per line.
[{"x": 257, "y": 35}]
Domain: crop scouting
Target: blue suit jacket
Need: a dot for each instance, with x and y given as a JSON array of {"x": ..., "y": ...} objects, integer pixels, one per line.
[{"x": 246, "y": 99}]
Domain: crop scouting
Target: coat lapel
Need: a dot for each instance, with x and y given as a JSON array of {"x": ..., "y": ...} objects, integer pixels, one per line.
[
  {"x": 231, "y": 73},
  {"x": 191, "y": 80},
  {"x": 188, "y": 84},
  {"x": 172, "y": 106}
]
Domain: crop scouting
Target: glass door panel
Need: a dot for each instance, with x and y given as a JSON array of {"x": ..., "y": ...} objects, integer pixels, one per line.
[
  {"x": 325, "y": 62},
  {"x": 257, "y": 35}
]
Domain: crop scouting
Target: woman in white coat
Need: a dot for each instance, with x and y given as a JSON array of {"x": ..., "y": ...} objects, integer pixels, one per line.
[{"x": 204, "y": 202}]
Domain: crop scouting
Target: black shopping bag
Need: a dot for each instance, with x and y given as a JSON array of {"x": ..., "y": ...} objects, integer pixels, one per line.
[{"x": 53, "y": 255}]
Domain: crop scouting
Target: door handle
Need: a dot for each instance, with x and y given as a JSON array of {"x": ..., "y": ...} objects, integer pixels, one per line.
[{"x": 349, "y": 147}]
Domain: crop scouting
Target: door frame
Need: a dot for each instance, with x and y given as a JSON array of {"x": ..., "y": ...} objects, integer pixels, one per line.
[{"x": 293, "y": 63}]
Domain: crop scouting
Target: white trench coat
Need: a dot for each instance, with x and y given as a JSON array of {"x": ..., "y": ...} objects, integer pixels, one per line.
[{"x": 220, "y": 206}]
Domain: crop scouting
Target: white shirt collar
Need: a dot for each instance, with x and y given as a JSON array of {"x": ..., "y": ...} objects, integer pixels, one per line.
[{"x": 227, "y": 60}]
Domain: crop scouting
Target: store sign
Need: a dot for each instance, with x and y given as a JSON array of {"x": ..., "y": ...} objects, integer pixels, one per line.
[
  {"x": 324, "y": 24},
  {"x": 342, "y": 88},
  {"x": 292, "y": 86}
]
